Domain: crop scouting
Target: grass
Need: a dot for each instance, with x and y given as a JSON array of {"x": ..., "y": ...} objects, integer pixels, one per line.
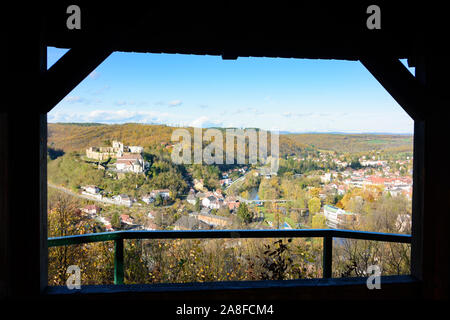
[{"x": 270, "y": 216}]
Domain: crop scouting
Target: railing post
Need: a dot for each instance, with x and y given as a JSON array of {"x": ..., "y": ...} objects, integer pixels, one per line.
[
  {"x": 327, "y": 256},
  {"x": 118, "y": 261}
]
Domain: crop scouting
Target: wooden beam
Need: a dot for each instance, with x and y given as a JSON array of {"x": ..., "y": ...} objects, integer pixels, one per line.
[
  {"x": 400, "y": 83},
  {"x": 433, "y": 72},
  {"x": 4, "y": 218},
  {"x": 417, "y": 200},
  {"x": 69, "y": 71}
]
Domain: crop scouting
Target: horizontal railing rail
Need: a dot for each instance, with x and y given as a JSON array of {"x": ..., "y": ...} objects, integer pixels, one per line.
[{"x": 327, "y": 234}]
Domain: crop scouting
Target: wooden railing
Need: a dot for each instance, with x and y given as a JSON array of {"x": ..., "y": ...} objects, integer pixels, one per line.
[{"x": 326, "y": 234}]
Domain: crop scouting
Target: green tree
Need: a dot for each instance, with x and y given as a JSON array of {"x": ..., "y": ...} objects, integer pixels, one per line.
[
  {"x": 314, "y": 205},
  {"x": 355, "y": 164},
  {"x": 318, "y": 221},
  {"x": 115, "y": 221},
  {"x": 158, "y": 200},
  {"x": 197, "y": 204},
  {"x": 244, "y": 213}
]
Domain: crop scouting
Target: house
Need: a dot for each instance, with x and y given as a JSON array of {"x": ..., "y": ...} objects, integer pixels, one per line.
[
  {"x": 125, "y": 218},
  {"x": 148, "y": 199},
  {"x": 218, "y": 194},
  {"x": 151, "y": 214},
  {"x": 190, "y": 223},
  {"x": 191, "y": 198},
  {"x": 123, "y": 199},
  {"x": 91, "y": 209},
  {"x": 232, "y": 203},
  {"x": 135, "y": 149},
  {"x": 200, "y": 196},
  {"x": 91, "y": 189},
  {"x": 337, "y": 217},
  {"x": 131, "y": 162},
  {"x": 326, "y": 178},
  {"x": 211, "y": 219},
  {"x": 212, "y": 202},
  {"x": 225, "y": 182},
  {"x": 164, "y": 193},
  {"x": 198, "y": 184},
  {"x": 341, "y": 189},
  {"x": 109, "y": 228}
]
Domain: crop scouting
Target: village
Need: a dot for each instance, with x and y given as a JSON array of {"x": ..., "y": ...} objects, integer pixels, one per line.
[{"x": 204, "y": 209}]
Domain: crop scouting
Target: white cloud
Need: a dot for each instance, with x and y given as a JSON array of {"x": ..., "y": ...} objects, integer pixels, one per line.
[
  {"x": 205, "y": 122},
  {"x": 175, "y": 103},
  {"x": 94, "y": 75},
  {"x": 80, "y": 100},
  {"x": 110, "y": 116},
  {"x": 74, "y": 99},
  {"x": 329, "y": 121}
]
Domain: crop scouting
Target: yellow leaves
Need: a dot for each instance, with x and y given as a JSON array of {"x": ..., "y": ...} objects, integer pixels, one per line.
[
  {"x": 314, "y": 192},
  {"x": 186, "y": 261}
]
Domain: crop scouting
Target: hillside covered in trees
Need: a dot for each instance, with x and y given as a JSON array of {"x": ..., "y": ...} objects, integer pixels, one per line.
[
  {"x": 352, "y": 143},
  {"x": 77, "y": 137}
]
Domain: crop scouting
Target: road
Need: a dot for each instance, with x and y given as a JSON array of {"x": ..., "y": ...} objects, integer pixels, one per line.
[
  {"x": 237, "y": 180},
  {"x": 259, "y": 200},
  {"x": 81, "y": 196}
]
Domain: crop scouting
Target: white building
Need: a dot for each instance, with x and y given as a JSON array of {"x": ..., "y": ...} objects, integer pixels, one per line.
[
  {"x": 326, "y": 178},
  {"x": 91, "y": 209},
  {"x": 148, "y": 199},
  {"x": 191, "y": 198},
  {"x": 136, "y": 149},
  {"x": 336, "y": 216},
  {"x": 164, "y": 193},
  {"x": 212, "y": 202},
  {"x": 91, "y": 189},
  {"x": 123, "y": 199},
  {"x": 131, "y": 162}
]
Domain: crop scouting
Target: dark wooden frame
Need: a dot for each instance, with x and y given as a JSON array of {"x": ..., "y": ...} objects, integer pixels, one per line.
[{"x": 23, "y": 260}]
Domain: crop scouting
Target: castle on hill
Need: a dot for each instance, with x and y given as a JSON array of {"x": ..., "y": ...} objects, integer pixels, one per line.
[{"x": 117, "y": 150}]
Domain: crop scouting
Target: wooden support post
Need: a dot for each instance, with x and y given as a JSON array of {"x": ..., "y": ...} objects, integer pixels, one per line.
[
  {"x": 23, "y": 163},
  {"x": 433, "y": 250},
  {"x": 4, "y": 194},
  {"x": 417, "y": 200},
  {"x": 327, "y": 260},
  {"x": 118, "y": 261}
]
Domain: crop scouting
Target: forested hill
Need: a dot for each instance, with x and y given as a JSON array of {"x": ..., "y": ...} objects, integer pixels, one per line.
[
  {"x": 354, "y": 142},
  {"x": 78, "y": 137}
]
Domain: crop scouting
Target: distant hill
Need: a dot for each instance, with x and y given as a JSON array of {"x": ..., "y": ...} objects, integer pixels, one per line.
[
  {"x": 77, "y": 137},
  {"x": 355, "y": 142}
]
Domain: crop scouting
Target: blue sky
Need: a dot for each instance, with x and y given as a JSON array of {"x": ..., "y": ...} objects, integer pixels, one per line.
[{"x": 204, "y": 91}]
